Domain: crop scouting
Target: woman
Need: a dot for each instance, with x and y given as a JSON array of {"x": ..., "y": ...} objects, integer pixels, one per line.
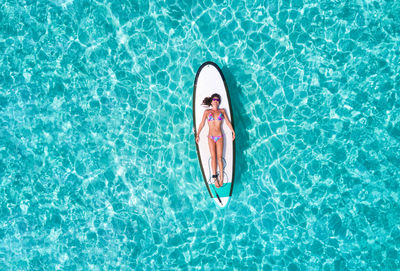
[{"x": 215, "y": 138}]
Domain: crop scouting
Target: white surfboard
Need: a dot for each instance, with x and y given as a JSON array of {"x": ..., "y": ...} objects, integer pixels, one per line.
[{"x": 210, "y": 80}]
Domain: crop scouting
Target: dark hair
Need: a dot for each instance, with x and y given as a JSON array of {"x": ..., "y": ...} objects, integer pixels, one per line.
[{"x": 208, "y": 100}]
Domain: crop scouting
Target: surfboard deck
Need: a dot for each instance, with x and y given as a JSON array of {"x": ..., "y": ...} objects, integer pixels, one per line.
[{"x": 209, "y": 80}]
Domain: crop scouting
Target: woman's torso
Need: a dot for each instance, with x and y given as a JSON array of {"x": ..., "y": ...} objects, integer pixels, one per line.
[{"x": 214, "y": 119}]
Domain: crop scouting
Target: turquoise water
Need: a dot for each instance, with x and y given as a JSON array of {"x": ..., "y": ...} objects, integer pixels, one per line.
[{"x": 98, "y": 165}]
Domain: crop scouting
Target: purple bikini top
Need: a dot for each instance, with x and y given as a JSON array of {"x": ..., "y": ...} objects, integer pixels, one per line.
[{"x": 211, "y": 117}]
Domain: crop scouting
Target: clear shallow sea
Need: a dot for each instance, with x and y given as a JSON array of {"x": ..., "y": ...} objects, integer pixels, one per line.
[{"x": 98, "y": 168}]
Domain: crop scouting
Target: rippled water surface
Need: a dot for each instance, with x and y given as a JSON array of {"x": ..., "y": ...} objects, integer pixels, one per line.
[{"x": 98, "y": 165}]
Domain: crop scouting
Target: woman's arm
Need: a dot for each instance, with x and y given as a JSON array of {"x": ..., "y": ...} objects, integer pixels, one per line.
[
  {"x": 203, "y": 121},
  {"x": 229, "y": 124}
]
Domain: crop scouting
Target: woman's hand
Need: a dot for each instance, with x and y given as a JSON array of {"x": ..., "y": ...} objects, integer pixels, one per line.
[
  {"x": 233, "y": 135},
  {"x": 197, "y": 139}
]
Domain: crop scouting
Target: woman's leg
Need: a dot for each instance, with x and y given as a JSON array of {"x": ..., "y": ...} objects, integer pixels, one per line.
[
  {"x": 211, "y": 145},
  {"x": 220, "y": 148}
]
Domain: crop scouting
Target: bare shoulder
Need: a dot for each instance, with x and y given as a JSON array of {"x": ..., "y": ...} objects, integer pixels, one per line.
[{"x": 223, "y": 111}]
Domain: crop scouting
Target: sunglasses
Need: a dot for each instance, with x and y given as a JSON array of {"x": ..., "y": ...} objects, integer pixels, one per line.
[{"x": 215, "y": 99}]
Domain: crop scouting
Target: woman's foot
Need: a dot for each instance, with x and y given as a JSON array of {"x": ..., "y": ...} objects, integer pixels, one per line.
[
  {"x": 216, "y": 182},
  {"x": 221, "y": 182}
]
